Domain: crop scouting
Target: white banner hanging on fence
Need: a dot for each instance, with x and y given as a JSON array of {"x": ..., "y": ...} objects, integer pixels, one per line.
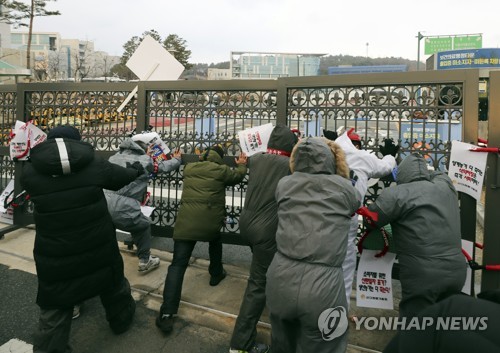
[
  {"x": 374, "y": 280},
  {"x": 467, "y": 169},
  {"x": 255, "y": 139}
]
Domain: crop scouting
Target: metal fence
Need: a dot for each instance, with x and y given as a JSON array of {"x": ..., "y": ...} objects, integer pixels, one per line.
[{"x": 421, "y": 111}]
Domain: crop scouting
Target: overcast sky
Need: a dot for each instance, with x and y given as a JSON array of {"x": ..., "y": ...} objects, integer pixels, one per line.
[{"x": 214, "y": 28}]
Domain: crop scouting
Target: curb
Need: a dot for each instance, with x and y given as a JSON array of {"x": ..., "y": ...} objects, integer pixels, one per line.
[{"x": 220, "y": 320}]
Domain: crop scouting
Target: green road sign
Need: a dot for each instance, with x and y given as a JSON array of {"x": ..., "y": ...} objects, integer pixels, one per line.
[
  {"x": 468, "y": 42},
  {"x": 437, "y": 44}
]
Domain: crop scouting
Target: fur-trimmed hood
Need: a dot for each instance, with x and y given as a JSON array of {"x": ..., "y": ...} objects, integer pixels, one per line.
[{"x": 318, "y": 155}]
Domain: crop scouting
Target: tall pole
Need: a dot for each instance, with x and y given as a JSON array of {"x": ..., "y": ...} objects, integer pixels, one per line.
[{"x": 419, "y": 38}]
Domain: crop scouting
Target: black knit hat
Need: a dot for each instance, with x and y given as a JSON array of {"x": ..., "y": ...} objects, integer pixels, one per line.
[
  {"x": 64, "y": 131},
  {"x": 219, "y": 150},
  {"x": 281, "y": 139},
  {"x": 215, "y": 148}
]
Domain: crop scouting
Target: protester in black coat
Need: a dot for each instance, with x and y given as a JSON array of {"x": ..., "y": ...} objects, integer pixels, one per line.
[
  {"x": 258, "y": 224},
  {"x": 76, "y": 252},
  {"x": 458, "y": 324}
]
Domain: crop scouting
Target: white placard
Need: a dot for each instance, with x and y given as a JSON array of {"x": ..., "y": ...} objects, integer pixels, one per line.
[
  {"x": 150, "y": 54},
  {"x": 469, "y": 247},
  {"x": 467, "y": 169},
  {"x": 25, "y": 136},
  {"x": 374, "y": 280},
  {"x": 7, "y": 214},
  {"x": 157, "y": 149},
  {"x": 147, "y": 210},
  {"x": 255, "y": 139}
]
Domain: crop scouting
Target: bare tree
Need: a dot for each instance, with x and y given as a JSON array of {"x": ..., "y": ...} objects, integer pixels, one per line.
[
  {"x": 56, "y": 59},
  {"x": 85, "y": 65}
]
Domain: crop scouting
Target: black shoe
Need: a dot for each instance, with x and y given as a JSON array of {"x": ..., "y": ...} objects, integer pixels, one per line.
[
  {"x": 165, "y": 322},
  {"x": 215, "y": 280},
  {"x": 122, "y": 324}
]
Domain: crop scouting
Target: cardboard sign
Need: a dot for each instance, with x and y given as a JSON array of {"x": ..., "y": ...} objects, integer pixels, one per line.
[
  {"x": 24, "y": 137},
  {"x": 467, "y": 169},
  {"x": 152, "y": 62},
  {"x": 374, "y": 280},
  {"x": 255, "y": 139}
]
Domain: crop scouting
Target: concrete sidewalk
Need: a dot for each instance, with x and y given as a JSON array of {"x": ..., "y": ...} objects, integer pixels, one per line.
[{"x": 214, "y": 307}]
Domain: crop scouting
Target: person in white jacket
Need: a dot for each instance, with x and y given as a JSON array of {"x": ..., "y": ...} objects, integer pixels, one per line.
[{"x": 363, "y": 166}]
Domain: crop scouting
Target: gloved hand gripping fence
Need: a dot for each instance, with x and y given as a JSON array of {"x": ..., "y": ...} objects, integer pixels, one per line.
[
  {"x": 389, "y": 148},
  {"x": 137, "y": 166}
]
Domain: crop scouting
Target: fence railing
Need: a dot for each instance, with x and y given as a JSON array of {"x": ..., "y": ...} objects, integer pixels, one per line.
[{"x": 421, "y": 111}]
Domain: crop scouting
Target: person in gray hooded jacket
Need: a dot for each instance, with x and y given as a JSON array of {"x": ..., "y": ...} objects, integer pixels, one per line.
[
  {"x": 305, "y": 284},
  {"x": 424, "y": 214},
  {"x": 125, "y": 204},
  {"x": 258, "y": 224}
]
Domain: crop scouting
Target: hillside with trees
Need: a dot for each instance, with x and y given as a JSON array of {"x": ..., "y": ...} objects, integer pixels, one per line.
[{"x": 338, "y": 60}]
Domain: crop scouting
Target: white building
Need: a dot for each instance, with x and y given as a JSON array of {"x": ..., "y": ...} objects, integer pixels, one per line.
[
  {"x": 218, "y": 74},
  {"x": 262, "y": 65},
  {"x": 54, "y": 58}
]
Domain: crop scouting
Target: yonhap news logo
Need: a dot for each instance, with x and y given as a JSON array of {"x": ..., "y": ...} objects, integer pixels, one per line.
[
  {"x": 332, "y": 322},
  {"x": 450, "y": 323}
]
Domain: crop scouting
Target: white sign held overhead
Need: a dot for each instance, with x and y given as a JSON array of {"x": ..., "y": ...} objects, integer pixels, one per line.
[
  {"x": 152, "y": 62},
  {"x": 150, "y": 53},
  {"x": 255, "y": 139}
]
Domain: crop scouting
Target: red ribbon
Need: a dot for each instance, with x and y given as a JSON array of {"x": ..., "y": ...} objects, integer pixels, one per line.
[{"x": 485, "y": 149}]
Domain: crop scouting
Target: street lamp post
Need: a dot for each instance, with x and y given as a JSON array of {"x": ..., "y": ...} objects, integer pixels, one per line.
[{"x": 419, "y": 38}]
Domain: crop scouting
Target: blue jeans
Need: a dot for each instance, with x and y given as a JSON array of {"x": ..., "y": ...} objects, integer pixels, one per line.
[{"x": 175, "y": 276}]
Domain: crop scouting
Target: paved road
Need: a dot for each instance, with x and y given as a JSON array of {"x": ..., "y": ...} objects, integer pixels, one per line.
[{"x": 90, "y": 333}]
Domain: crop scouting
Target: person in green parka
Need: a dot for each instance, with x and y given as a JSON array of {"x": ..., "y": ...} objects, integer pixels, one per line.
[{"x": 200, "y": 218}]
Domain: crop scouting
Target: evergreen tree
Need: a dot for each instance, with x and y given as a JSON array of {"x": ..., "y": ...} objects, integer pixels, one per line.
[{"x": 177, "y": 47}]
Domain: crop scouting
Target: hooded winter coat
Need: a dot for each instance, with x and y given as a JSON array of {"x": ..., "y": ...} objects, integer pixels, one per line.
[
  {"x": 203, "y": 202},
  {"x": 424, "y": 214},
  {"x": 76, "y": 252},
  {"x": 258, "y": 224},
  {"x": 315, "y": 205},
  {"x": 259, "y": 218},
  {"x": 125, "y": 204}
]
